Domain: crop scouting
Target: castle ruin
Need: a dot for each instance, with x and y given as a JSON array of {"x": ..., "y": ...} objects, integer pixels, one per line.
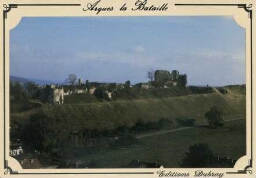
[
  {"x": 163, "y": 76},
  {"x": 51, "y": 94}
]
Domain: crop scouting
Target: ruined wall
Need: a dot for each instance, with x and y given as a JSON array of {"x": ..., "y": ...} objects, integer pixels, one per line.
[
  {"x": 52, "y": 94},
  {"x": 58, "y": 96}
]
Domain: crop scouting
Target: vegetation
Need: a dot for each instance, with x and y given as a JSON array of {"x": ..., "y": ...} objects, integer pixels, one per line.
[
  {"x": 200, "y": 90},
  {"x": 214, "y": 116},
  {"x": 80, "y": 98},
  {"x": 199, "y": 155},
  {"x": 172, "y": 147},
  {"x": 71, "y": 80},
  {"x": 20, "y": 96},
  {"x": 114, "y": 114},
  {"x": 182, "y": 81},
  {"x": 185, "y": 121},
  {"x": 100, "y": 93}
]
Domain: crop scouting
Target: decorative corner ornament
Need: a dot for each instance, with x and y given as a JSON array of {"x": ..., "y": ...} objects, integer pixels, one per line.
[
  {"x": 248, "y": 169},
  {"x": 247, "y": 8},
  {"x": 8, "y": 8},
  {"x": 8, "y": 169}
]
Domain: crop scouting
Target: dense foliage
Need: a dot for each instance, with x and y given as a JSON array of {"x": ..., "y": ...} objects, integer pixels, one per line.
[
  {"x": 20, "y": 94},
  {"x": 214, "y": 116},
  {"x": 199, "y": 155}
]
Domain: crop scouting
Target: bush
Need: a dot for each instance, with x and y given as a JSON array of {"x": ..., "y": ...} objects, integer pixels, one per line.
[
  {"x": 185, "y": 121},
  {"x": 139, "y": 127},
  {"x": 199, "y": 156},
  {"x": 165, "y": 123},
  {"x": 200, "y": 90},
  {"x": 214, "y": 116}
]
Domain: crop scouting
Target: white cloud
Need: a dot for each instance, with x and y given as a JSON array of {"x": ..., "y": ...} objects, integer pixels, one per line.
[
  {"x": 224, "y": 56},
  {"x": 136, "y": 56},
  {"x": 139, "y": 49}
]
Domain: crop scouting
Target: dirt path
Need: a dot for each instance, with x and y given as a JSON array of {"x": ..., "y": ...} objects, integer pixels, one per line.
[{"x": 178, "y": 129}]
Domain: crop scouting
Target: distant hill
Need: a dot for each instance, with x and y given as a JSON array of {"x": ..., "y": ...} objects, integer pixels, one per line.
[
  {"x": 42, "y": 82},
  {"x": 26, "y": 80},
  {"x": 18, "y": 79}
]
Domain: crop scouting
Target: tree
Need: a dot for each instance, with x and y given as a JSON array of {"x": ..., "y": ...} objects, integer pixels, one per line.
[
  {"x": 17, "y": 92},
  {"x": 199, "y": 155},
  {"x": 71, "y": 79},
  {"x": 127, "y": 84},
  {"x": 19, "y": 101},
  {"x": 100, "y": 93},
  {"x": 151, "y": 74},
  {"x": 112, "y": 86},
  {"x": 31, "y": 89},
  {"x": 88, "y": 85},
  {"x": 214, "y": 116}
]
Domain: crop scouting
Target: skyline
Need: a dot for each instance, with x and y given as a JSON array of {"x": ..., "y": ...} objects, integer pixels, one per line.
[{"x": 210, "y": 50}]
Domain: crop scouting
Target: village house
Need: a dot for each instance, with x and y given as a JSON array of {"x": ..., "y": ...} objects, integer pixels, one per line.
[
  {"x": 16, "y": 150},
  {"x": 91, "y": 91},
  {"x": 145, "y": 86},
  {"x": 79, "y": 91}
]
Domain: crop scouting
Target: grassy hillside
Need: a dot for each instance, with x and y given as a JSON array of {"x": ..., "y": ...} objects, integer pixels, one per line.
[
  {"x": 80, "y": 98},
  {"x": 109, "y": 115},
  {"x": 139, "y": 93}
]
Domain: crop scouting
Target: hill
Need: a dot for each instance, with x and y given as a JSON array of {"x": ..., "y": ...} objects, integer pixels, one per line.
[
  {"x": 110, "y": 115},
  {"x": 19, "y": 79},
  {"x": 23, "y": 80},
  {"x": 113, "y": 114}
]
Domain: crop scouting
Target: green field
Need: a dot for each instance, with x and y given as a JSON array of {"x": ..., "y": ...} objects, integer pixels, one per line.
[{"x": 170, "y": 148}]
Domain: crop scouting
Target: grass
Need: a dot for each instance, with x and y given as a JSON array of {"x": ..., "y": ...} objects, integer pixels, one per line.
[
  {"x": 110, "y": 115},
  {"x": 78, "y": 114},
  {"x": 80, "y": 98},
  {"x": 170, "y": 148}
]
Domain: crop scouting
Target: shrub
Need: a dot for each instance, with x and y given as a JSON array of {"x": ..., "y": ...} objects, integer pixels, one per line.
[
  {"x": 199, "y": 155},
  {"x": 214, "y": 116},
  {"x": 185, "y": 121},
  {"x": 165, "y": 123}
]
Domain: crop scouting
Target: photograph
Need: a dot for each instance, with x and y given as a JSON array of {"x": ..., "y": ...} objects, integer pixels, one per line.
[
  {"x": 137, "y": 88},
  {"x": 127, "y": 92}
]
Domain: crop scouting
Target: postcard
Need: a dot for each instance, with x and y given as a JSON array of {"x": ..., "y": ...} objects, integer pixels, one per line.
[{"x": 137, "y": 88}]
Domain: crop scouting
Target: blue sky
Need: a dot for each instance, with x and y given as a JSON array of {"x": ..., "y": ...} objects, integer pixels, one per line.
[{"x": 210, "y": 50}]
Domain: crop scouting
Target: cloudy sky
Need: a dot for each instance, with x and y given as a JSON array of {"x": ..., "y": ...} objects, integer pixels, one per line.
[{"x": 210, "y": 50}]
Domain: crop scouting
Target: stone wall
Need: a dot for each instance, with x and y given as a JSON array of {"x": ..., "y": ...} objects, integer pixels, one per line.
[{"x": 58, "y": 96}]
